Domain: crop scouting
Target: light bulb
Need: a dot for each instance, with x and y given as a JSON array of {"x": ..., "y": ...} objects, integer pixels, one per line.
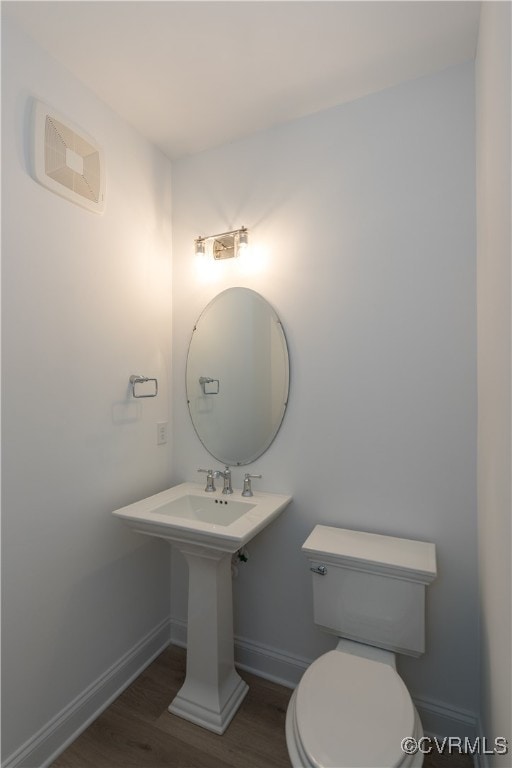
[{"x": 243, "y": 242}]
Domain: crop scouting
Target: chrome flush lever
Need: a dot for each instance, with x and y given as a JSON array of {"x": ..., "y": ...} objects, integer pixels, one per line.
[{"x": 320, "y": 569}]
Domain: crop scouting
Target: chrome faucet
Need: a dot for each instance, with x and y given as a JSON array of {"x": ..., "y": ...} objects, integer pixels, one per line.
[
  {"x": 227, "y": 479},
  {"x": 212, "y": 475}
]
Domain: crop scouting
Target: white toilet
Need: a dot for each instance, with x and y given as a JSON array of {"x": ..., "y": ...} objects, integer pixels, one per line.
[{"x": 351, "y": 709}]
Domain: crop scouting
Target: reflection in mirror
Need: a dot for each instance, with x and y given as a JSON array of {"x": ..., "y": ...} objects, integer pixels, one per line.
[{"x": 237, "y": 376}]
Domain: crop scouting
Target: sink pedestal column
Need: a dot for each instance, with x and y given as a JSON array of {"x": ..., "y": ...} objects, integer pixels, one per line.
[{"x": 213, "y": 690}]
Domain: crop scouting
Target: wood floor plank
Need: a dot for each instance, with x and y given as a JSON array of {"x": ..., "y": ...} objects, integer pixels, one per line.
[
  {"x": 137, "y": 731},
  {"x": 454, "y": 760},
  {"x": 120, "y": 742},
  {"x": 151, "y": 693}
]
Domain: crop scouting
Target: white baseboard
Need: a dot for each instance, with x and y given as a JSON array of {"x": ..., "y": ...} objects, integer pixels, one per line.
[
  {"x": 45, "y": 746},
  {"x": 438, "y": 719},
  {"x": 462, "y": 724},
  {"x": 269, "y": 663},
  {"x": 179, "y": 632}
]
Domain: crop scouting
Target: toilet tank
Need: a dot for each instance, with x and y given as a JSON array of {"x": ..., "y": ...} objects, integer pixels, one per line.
[{"x": 371, "y": 588}]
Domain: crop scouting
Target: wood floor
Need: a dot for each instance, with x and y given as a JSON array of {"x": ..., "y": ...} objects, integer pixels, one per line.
[{"x": 137, "y": 731}]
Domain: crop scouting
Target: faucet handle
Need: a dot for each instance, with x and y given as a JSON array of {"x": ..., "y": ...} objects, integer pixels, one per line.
[
  {"x": 228, "y": 488},
  {"x": 247, "y": 491},
  {"x": 210, "y": 486}
]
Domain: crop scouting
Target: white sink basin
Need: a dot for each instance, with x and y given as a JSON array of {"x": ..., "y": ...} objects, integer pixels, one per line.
[
  {"x": 215, "y": 511},
  {"x": 188, "y": 514}
]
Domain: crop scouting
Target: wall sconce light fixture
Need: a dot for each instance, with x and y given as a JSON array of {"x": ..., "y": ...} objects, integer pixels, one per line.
[{"x": 225, "y": 245}]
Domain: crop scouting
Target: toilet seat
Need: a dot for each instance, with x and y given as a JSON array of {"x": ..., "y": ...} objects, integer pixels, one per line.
[{"x": 351, "y": 711}]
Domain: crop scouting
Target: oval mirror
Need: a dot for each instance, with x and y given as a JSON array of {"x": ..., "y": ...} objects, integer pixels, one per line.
[{"x": 237, "y": 376}]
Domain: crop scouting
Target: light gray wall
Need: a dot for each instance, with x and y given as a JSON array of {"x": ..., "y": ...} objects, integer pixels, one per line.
[
  {"x": 363, "y": 221},
  {"x": 493, "y": 136},
  {"x": 86, "y": 302}
]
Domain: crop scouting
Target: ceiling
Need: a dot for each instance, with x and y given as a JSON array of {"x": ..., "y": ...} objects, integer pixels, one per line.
[{"x": 194, "y": 74}]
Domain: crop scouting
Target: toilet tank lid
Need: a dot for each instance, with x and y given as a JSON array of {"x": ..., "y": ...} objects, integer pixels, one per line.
[{"x": 373, "y": 552}]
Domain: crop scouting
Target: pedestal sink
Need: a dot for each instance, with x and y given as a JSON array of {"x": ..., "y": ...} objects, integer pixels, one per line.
[{"x": 207, "y": 528}]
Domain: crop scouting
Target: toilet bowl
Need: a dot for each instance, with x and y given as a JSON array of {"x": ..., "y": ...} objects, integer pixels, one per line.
[
  {"x": 353, "y": 711},
  {"x": 351, "y": 708}
]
